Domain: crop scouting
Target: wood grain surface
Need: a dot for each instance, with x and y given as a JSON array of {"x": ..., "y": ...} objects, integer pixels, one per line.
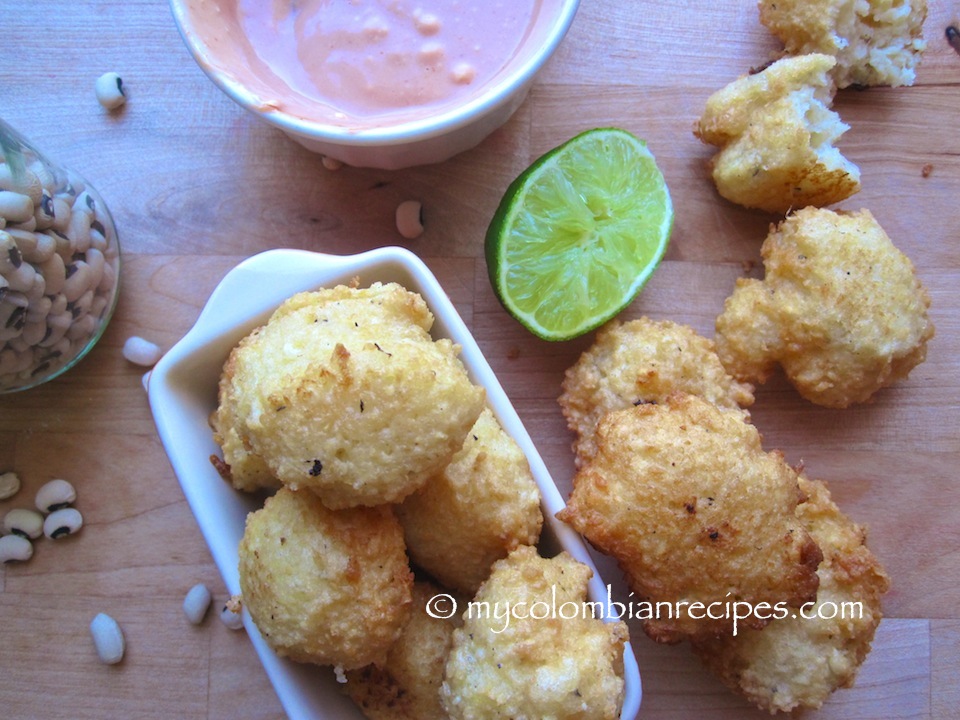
[{"x": 196, "y": 185}]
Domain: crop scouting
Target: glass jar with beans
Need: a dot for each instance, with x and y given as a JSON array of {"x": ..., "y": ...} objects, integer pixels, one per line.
[{"x": 59, "y": 265}]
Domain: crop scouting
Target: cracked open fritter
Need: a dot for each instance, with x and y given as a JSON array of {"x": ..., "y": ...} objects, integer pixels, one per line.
[
  {"x": 642, "y": 361},
  {"x": 515, "y": 658},
  {"x": 330, "y": 587},
  {"x": 344, "y": 392},
  {"x": 407, "y": 685},
  {"x": 474, "y": 511},
  {"x": 839, "y": 308},
  {"x": 876, "y": 42},
  {"x": 776, "y": 134},
  {"x": 693, "y": 509},
  {"x": 796, "y": 662}
]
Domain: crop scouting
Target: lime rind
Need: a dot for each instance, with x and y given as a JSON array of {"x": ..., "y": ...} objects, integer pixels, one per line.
[{"x": 587, "y": 223}]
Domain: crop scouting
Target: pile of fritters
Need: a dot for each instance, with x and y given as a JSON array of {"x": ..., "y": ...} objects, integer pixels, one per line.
[
  {"x": 384, "y": 453},
  {"x": 678, "y": 489}
]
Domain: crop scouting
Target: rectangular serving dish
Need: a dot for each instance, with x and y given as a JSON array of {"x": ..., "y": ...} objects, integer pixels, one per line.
[{"x": 182, "y": 388}]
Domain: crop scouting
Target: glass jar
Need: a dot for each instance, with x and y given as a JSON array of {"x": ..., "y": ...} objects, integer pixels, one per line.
[{"x": 59, "y": 265}]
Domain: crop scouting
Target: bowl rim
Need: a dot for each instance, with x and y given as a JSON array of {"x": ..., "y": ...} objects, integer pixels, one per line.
[
  {"x": 243, "y": 300},
  {"x": 491, "y": 99}
]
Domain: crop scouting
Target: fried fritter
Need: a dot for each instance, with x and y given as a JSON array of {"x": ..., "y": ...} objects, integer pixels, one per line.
[
  {"x": 684, "y": 497},
  {"x": 840, "y": 309},
  {"x": 407, "y": 685},
  {"x": 475, "y": 511},
  {"x": 344, "y": 392},
  {"x": 330, "y": 587},
  {"x": 776, "y": 131},
  {"x": 797, "y": 662},
  {"x": 240, "y": 466},
  {"x": 642, "y": 361},
  {"x": 876, "y": 42},
  {"x": 515, "y": 658}
]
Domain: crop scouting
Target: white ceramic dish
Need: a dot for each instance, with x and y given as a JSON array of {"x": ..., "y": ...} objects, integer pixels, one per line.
[
  {"x": 183, "y": 392},
  {"x": 426, "y": 139}
]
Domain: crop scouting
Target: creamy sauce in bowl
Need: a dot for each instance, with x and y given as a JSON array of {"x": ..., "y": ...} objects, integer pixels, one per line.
[{"x": 361, "y": 64}]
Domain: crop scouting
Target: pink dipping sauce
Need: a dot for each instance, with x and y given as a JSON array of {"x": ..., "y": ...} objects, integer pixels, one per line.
[{"x": 364, "y": 62}]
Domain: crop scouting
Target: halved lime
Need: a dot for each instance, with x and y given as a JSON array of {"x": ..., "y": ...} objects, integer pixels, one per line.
[{"x": 578, "y": 233}]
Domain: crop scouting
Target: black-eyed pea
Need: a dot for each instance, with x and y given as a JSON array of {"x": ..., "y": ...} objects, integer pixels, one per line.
[
  {"x": 23, "y": 522},
  {"x": 15, "y": 207},
  {"x": 8, "y": 361},
  {"x": 107, "y": 639},
  {"x": 55, "y": 495},
  {"x": 63, "y": 522},
  {"x": 10, "y": 256},
  {"x": 96, "y": 261},
  {"x": 38, "y": 289},
  {"x": 34, "y": 331},
  {"x": 55, "y": 273},
  {"x": 231, "y": 614},
  {"x": 81, "y": 306},
  {"x": 48, "y": 181},
  {"x": 59, "y": 324},
  {"x": 58, "y": 305},
  {"x": 108, "y": 280},
  {"x": 79, "y": 228},
  {"x": 409, "y": 219},
  {"x": 14, "y": 548},
  {"x": 99, "y": 306},
  {"x": 97, "y": 240},
  {"x": 21, "y": 278},
  {"x": 45, "y": 212},
  {"x": 30, "y": 224},
  {"x": 64, "y": 244},
  {"x": 4, "y": 286},
  {"x": 34, "y": 247},
  {"x": 62, "y": 210},
  {"x": 140, "y": 351},
  {"x": 82, "y": 328},
  {"x": 77, "y": 280},
  {"x": 9, "y": 481},
  {"x": 196, "y": 603},
  {"x": 109, "y": 91}
]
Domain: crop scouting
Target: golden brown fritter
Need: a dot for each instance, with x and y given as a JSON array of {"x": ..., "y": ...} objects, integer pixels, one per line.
[
  {"x": 240, "y": 465},
  {"x": 516, "y": 659},
  {"x": 642, "y": 361},
  {"x": 475, "y": 511},
  {"x": 776, "y": 134},
  {"x": 684, "y": 497},
  {"x": 407, "y": 685},
  {"x": 796, "y": 662},
  {"x": 330, "y": 587},
  {"x": 876, "y": 42},
  {"x": 344, "y": 392},
  {"x": 840, "y": 309}
]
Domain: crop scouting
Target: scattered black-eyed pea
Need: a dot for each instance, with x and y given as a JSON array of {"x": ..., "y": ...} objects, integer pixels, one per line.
[
  {"x": 107, "y": 639},
  {"x": 232, "y": 613},
  {"x": 409, "y": 218},
  {"x": 9, "y": 485},
  {"x": 109, "y": 91},
  {"x": 63, "y": 522},
  {"x": 23, "y": 522},
  {"x": 331, "y": 163},
  {"x": 55, "y": 495},
  {"x": 140, "y": 351},
  {"x": 15, "y": 548},
  {"x": 196, "y": 603}
]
